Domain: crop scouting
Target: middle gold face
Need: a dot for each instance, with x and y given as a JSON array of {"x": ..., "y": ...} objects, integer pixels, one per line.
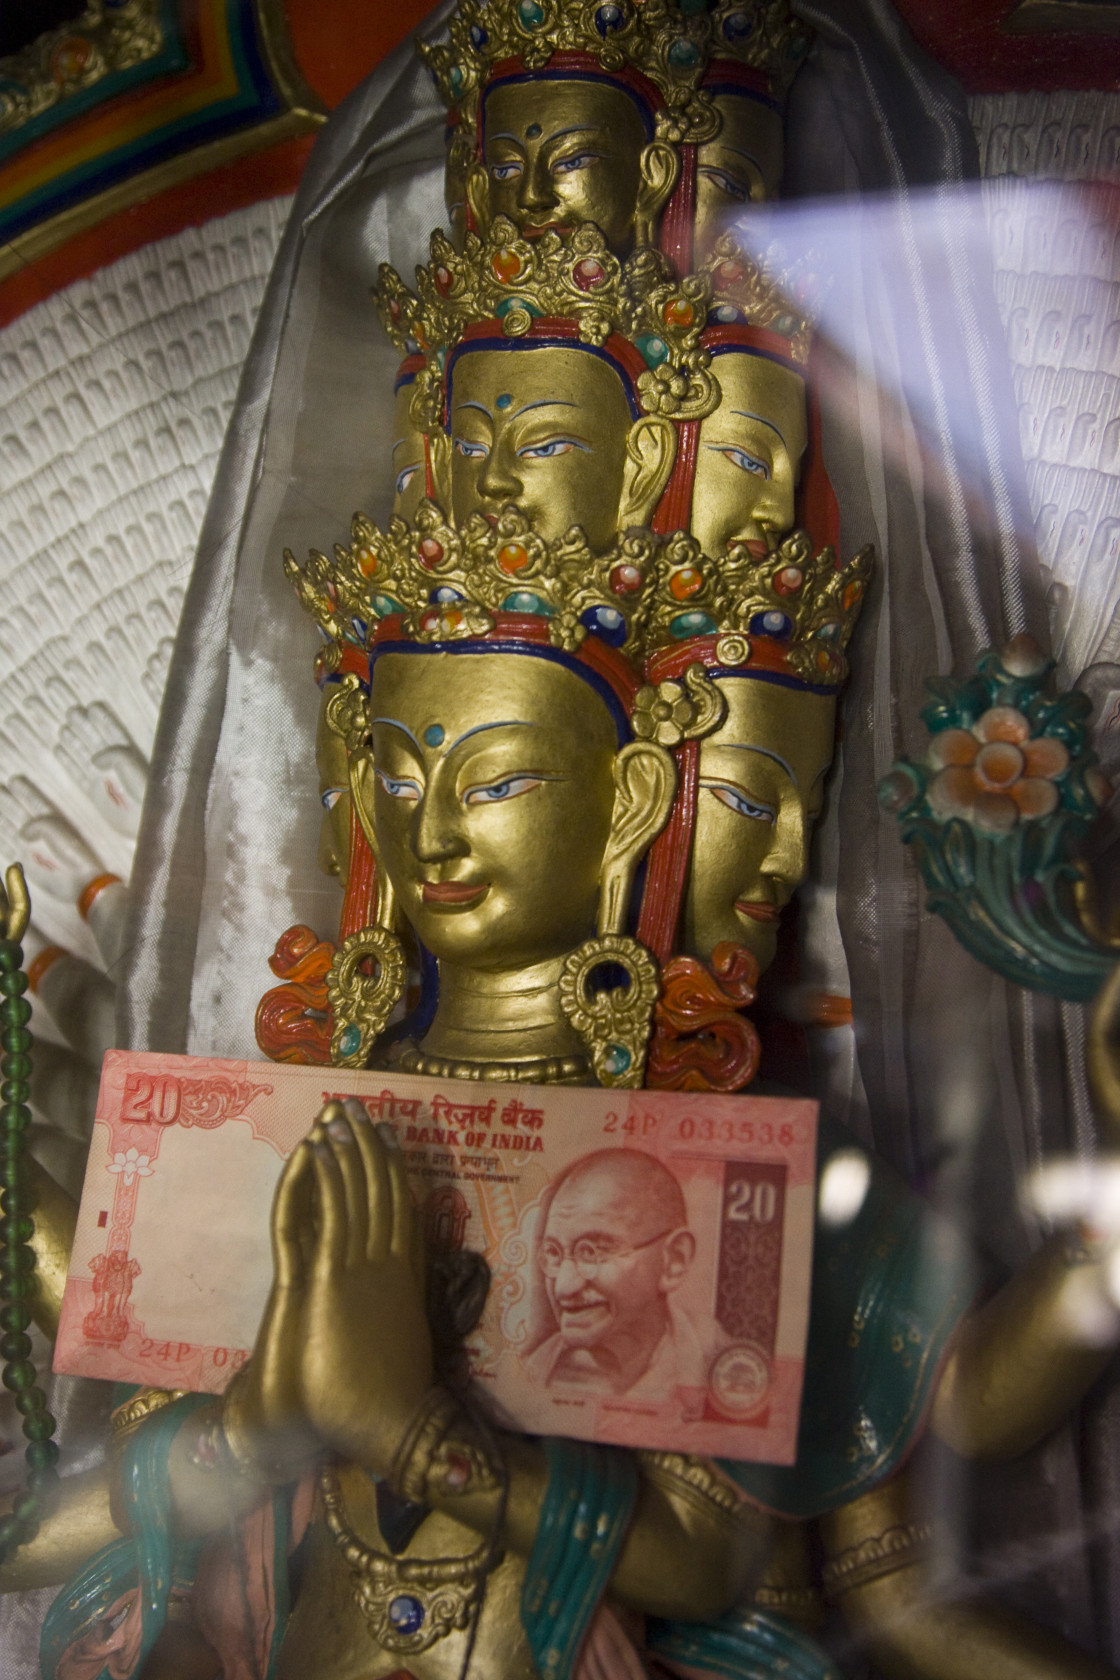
[
  {"x": 493, "y": 802},
  {"x": 761, "y": 788},
  {"x": 749, "y": 457},
  {"x": 545, "y": 428},
  {"x": 408, "y": 455}
]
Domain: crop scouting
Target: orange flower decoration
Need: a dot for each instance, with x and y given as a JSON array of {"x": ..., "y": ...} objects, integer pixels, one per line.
[{"x": 995, "y": 774}]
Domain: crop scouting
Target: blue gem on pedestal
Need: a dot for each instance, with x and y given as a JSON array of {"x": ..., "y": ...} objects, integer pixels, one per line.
[
  {"x": 406, "y": 1613},
  {"x": 684, "y": 55},
  {"x": 617, "y": 1059},
  {"x": 350, "y": 1040},
  {"x": 654, "y": 350},
  {"x": 737, "y": 26},
  {"x": 530, "y": 15},
  {"x": 479, "y": 37},
  {"x": 609, "y": 18},
  {"x": 605, "y": 622},
  {"x": 771, "y": 624},
  {"x": 442, "y": 595}
]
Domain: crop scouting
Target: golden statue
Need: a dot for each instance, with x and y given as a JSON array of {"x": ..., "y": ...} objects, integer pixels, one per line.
[{"x": 578, "y": 708}]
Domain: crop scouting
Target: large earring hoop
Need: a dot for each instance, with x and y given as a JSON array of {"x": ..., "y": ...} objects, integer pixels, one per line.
[
  {"x": 614, "y": 1022},
  {"x": 361, "y": 1003}
]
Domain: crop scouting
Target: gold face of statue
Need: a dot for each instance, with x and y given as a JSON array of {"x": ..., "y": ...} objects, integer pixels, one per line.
[
  {"x": 493, "y": 795},
  {"x": 749, "y": 457},
  {"x": 334, "y": 794},
  {"x": 408, "y": 456},
  {"x": 558, "y": 153},
  {"x": 761, "y": 788},
  {"x": 544, "y": 428},
  {"x": 742, "y": 165}
]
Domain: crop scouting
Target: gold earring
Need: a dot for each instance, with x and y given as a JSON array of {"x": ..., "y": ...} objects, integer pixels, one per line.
[
  {"x": 362, "y": 1003},
  {"x": 614, "y": 1023}
]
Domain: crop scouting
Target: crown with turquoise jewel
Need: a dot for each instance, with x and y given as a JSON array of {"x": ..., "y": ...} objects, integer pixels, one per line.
[
  {"x": 519, "y": 283},
  {"x": 789, "y": 612},
  {"x": 768, "y": 296},
  {"x": 667, "y": 42},
  {"x": 439, "y": 584}
]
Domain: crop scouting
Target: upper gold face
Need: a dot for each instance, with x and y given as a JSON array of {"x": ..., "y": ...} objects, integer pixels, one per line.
[
  {"x": 749, "y": 457},
  {"x": 334, "y": 794},
  {"x": 557, "y": 153},
  {"x": 742, "y": 165},
  {"x": 492, "y": 802},
  {"x": 545, "y": 428},
  {"x": 408, "y": 456},
  {"x": 762, "y": 779}
]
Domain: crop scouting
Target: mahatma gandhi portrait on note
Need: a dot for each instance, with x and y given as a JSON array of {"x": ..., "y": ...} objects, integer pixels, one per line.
[{"x": 615, "y": 1247}]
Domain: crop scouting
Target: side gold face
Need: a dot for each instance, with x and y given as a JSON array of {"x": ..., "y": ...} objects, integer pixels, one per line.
[
  {"x": 408, "y": 455},
  {"x": 549, "y": 428},
  {"x": 762, "y": 777},
  {"x": 334, "y": 794},
  {"x": 558, "y": 153},
  {"x": 492, "y": 801},
  {"x": 742, "y": 165},
  {"x": 750, "y": 450}
]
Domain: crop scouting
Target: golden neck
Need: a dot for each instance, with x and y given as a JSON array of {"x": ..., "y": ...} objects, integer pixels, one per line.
[{"x": 488, "y": 1015}]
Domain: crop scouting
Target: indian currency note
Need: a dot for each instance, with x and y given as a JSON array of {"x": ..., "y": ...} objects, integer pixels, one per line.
[{"x": 649, "y": 1251}]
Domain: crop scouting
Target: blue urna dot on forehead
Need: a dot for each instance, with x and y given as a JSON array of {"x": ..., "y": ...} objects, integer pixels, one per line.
[
  {"x": 533, "y": 131},
  {"x": 504, "y": 400},
  {"x": 433, "y": 735}
]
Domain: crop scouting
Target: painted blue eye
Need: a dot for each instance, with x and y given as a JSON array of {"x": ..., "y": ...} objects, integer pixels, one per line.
[
  {"x": 569, "y": 165},
  {"x": 399, "y": 787},
  {"x": 405, "y": 478},
  {"x": 495, "y": 792},
  {"x": 747, "y": 463},
  {"x": 504, "y": 171},
  {"x": 727, "y": 184},
  {"x": 330, "y": 797},
  {"x": 471, "y": 451},
  {"x": 551, "y": 450},
  {"x": 736, "y": 800}
]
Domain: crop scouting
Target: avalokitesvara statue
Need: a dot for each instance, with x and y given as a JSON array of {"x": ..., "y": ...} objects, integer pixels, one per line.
[{"x": 634, "y": 604}]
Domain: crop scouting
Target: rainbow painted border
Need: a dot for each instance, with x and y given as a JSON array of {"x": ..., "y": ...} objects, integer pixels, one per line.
[{"x": 239, "y": 91}]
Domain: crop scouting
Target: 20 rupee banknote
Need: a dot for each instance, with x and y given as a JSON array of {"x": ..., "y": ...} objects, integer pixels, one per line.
[{"x": 649, "y": 1251}]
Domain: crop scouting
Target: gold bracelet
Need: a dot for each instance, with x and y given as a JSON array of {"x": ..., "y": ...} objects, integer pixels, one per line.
[
  {"x": 241, "y": 1447},
  {"x": 441, "y": 1453},
  {"x": 880, "y": 1554}
]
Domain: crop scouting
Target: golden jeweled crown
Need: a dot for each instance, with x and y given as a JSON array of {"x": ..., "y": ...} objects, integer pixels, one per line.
[
  {"x": 789, "y": 610},
  {"x": 516, "y": 281},
  {"x": 742, "y": 290},
  {"x": 670, "y": 42}
]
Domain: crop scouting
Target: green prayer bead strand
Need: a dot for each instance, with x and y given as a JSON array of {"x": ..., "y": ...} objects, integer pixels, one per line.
[{"x": 17, "y": 1258}]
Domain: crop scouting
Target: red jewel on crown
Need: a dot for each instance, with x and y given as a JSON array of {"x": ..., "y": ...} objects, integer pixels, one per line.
[
  {"x": 588, "y": 273},
  {"x": 727, "y": 273},
  {"x": 443, "y": 280},
  {"x": 430, "y": 552},
  {"x": 678, "y": 312},
  {"x": 789, "y": 580},
  {"x": 626, "y": 579}
]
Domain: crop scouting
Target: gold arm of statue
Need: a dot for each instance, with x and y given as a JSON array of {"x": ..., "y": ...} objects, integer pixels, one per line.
[
  {"x": 55, "y": 1214},
  {"x": 1018, "y": 1364},
  {"x": 876, "y": 1571}
]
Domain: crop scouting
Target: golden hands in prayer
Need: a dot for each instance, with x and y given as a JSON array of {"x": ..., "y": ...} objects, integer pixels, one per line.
[{"x": 344, "y": 1355}]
